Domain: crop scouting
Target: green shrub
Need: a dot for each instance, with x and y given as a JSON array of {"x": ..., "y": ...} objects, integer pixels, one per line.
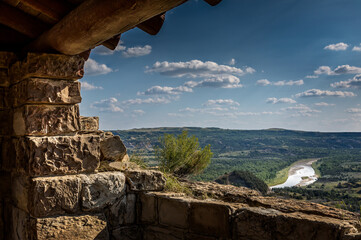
[{"x": 182, "y": 155}]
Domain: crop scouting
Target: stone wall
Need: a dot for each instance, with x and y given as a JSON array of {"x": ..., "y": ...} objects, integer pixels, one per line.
[{"x": 50, "y": 187}]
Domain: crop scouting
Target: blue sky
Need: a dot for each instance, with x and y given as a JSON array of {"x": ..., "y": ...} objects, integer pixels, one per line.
[{"x": 250, "y": 64}]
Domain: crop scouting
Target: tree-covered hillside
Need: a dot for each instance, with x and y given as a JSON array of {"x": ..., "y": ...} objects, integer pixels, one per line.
[{"x": 262, "y": 152}]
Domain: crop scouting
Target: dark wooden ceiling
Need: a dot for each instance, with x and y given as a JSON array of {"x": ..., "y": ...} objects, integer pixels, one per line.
[{"x": 51, "y": 25}]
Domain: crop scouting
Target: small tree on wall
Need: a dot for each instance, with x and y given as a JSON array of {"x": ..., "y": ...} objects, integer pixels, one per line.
[{"x": 182, "y": 155}]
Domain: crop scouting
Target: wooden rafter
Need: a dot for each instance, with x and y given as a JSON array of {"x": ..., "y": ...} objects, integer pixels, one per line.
[
  {"x": 153, "y": 25},
  {"x": 21, "y": 22},
  {"x": 95, "y": 21}
]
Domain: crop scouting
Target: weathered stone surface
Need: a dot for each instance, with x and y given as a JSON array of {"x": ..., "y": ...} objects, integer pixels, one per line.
[
  {"x": 40, "y": 156},
  {"x": 127, "y": 233},
  {"x": 45, "y": 120},
  {"x": 145, "y": 180},
  {"x": 123, "y": 212},
  {"x": 148, "y": 208},
  {"x": 6, "y": 59},
  {"x": 4, "y": 98},
  {"x": 89, "y": 123},
  {"x": 123, "y": 165},
  {"x": 4, "y": 77},
  {"x": 162, "y": 233},
  {"x": 101, "y": 189},
  {"x": 112, "y": 148},
  {"x": 5, "y": 122},
  {"x": 210, "y": 219},
  {"x": 261, "y": 223},
  {"x": 38, "y": 90},
  {"x": 19, "y": 224},
  {"x": 173, "y": 212},
  {"x": 54, "y": 195},
  {"x": 56, "y": 66},
  {"x": 83, "y": 227}
]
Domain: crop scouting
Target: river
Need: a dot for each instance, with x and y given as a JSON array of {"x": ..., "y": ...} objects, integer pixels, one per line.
[{"x": 300, "y": 174}]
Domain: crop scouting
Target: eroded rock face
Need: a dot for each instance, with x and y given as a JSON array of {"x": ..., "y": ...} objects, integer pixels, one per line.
[
  {"x": 89, "y": 124},
  {"x": 47, "y": 91},
  {"x": 58, "y": 155},
  {"x": 55, "y": 66},
  {"x": 46, "y": 120},
  {"x": 54, "y": 195},
  {"x": 71, "y": 227},
  {"x": 145, "y": 180},
  {"x": 101, "y": 189},
  {"x": 112, "y": 148}
]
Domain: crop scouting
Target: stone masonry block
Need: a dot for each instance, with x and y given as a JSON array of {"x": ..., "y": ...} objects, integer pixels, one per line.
[
  {"x": 101, "y": 189},
  {"x": 4, "y": 77},
  {"x": 82, "y": 227},
  {"x": 89, "y": 123},
  {"x": 46, "y": 196},
  {"x": 56, "y": 66},
  {"x": 173, "y": 212},
  {"x": 210, "y": 219},
  {"x": 40, "y": 156},
  {"x": 4, "y": 98},
  {"x": 148, "y": 208},
  {"x": 6, "y": 59},
  {"x": 37, "y": 90},
  {"x": 122, "y": 212},
  {"x": 46, "y": 120},
  {"x": 5, "y": 122},
  {"x": 145, "y": 180}
]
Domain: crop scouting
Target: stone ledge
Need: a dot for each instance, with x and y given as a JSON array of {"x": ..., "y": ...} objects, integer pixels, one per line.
[
  {"x": 73, "y": 194},
  {"x": 55, "y": 66},
  {"x": 46, "y": 120},
  {"x": 46, "y": 91},
  {"x": 40, "y": 156}
]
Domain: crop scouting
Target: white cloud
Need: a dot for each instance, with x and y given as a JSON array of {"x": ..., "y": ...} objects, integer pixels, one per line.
[
  {"x": 138, "y": 101},
  {"x": 301, "y": 110},
  {"x": 196, "y": 68},
  {"x": 324, "y": 93},
  {"x": 337, "y": 47},
  {"x": 265, "y": 82},
  {"x": 324, "y": 104},
  {"x": 158, "y": 90},
  {"x": 225, "y": 81},
  {"x": 357, "y": 48},
  {"x": 91, "y": 67},
  {"x": 312, "y": 76},
  {"x": 280, "y": 100},
  {"x": 343, "y": 69},
  {"x": 88, "y": 86},
  {"x": 137, "y": 51},
  {"x": 355, "y": 82},
  {"x": 107, "y": 105},
  {"x": 138, "y": 112},
  {"x": 101, "y": 50},
  {"x": 232, "y": 62},
  {"x": 323, "y": 70},
  {"x": 288, "y": 83},
  {"x": 353, "y": 110},
  {"x": 216, "y": 102}
]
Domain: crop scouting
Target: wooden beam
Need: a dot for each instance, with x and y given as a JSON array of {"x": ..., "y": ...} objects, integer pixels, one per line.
[
  {"x": 112, "y": 43},
  {"x": 213, "y": 2},
  {"x": 21, "y": 22},
  {"x": 53, "y": 9},
  {"x": 95, "y": 21},
  {"x": 153, "y": 25}
]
